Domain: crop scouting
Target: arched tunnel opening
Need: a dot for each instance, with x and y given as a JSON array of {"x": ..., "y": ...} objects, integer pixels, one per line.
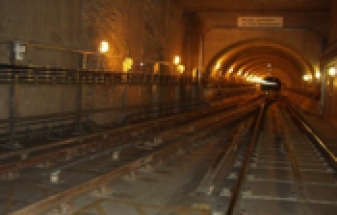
[{"x": 252, "y": 60}]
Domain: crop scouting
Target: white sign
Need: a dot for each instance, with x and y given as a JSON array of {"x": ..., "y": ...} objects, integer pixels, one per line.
[{"x": 260, "y": 22}]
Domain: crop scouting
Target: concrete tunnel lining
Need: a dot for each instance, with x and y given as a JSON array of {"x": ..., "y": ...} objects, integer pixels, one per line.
[{"x": 295, "y": 67}]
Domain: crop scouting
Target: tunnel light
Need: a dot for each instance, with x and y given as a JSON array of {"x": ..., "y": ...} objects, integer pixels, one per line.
[
  {"x": 318, "y": 75},
  {"x": 217, "y": 66},
  {"x": 181, "y": 69},
  {"x": 103, "y": 46},
  {"x": 254, "y": 79},
  {"x": 176, "y": 60},
  {"x": 268, "y": 83},
  {"x": 306, "y": 78},
  {"x": 127, "y": 64},
  {"x": 332, "y": 71},
  {"x": 258, "y": 80}
]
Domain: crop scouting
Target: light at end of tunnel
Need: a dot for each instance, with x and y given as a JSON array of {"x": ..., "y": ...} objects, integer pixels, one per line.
[
  {"x": 231, "y": 70},
  {"x": 318, "y": 75},
  {"x": 254, "y": 79},
  {"x": 176, "y": 60},
  {"x": 332, "y": 71},
  {"x": 104, "y": 46}
]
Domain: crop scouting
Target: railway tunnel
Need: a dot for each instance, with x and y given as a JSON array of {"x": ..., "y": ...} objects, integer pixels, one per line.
[{"x": 155, "y": 107}]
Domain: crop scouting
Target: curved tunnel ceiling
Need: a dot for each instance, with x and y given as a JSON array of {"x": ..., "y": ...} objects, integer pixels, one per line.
[{"x": 261, "y": 57}]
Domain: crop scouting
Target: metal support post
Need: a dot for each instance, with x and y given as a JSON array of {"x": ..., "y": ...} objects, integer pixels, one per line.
[
  {"x": 17, "y": 50},
  {"x": 125, "y": 100},
  {"x": 323, "y": 88},
  {"x": 178, "y": 95},
  {"x": 12, "y": 112},
  {"x": 155, "y": 96},
  {"x": 79, "y": 97}
]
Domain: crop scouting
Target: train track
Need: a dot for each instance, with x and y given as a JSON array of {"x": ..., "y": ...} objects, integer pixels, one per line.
[
  {"x": 279, "y": 172},
  {"x": 210, "y": 162},
  {"x": 78, "y": 165}
]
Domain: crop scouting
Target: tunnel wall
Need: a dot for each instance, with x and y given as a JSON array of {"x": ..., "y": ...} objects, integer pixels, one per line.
[
  {"x": 303, "y": 103},
  {"x": 147, "y": 31},
  {"x": 333, "y": 21},
  {"x": 329, "y": 98}
]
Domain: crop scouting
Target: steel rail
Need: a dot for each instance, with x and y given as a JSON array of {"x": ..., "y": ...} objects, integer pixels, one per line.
[
  {"x": 213, "y": 171},
  {"x": 332, "y": 158},
  {"x": 207, "y": 125},
  {"x": 185, "y": 117},
  {"x": 17, "y": 165},
  {"x": 245, "y": 163},
  {"x": 161, "y": 152}
]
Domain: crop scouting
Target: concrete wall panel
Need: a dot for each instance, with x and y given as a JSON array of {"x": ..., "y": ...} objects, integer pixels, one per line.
[
  {"x": 45, "y": 99},
  {"x": 4, "y": 104}
]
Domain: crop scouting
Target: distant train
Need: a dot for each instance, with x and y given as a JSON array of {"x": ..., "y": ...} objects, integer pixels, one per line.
[{"x": 270, "y": 87}]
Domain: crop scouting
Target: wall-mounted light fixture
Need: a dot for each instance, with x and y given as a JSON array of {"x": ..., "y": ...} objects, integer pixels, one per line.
[
  {"x": 306, "y": 77},
  {"x": 103, "y": 46},
  {"x": 19, "y": 49},
  {"x": 332, "y": 71},
  {"x": 181, "y": 69},
  {"x": 176, "y": 60},
  {"x": 127, "y": 64}
]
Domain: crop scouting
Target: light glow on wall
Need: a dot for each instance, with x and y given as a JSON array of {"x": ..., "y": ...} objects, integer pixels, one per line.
[
  {"x": 332, "y": 71},
  {"x": 217, "y": 66},
  {"x": 127, "y": 64},
  {"x": 181, "y": 69}
]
